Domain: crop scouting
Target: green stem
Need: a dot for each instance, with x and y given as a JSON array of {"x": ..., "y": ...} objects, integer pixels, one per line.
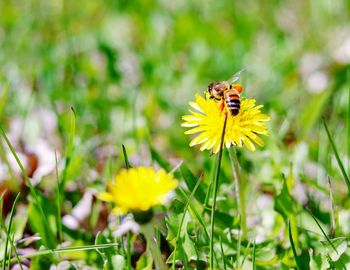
[
  {"x": 215, "y": 190},
  {"x": 240, "y": 190},
  {"x": 128, "y": 248},
  {"x": 148, "y": 232},
  {"x": 128, "y": 234}
]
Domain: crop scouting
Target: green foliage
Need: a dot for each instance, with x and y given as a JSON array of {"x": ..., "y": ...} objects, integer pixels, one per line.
[
  {"x": 284, "y": 203},
  {"x": 129, "y": 69},
  {"x": 38, "y": 225},
  {"x": 191, "y": 181}
]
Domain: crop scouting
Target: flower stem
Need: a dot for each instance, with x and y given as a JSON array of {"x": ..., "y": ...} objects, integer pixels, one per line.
[
  {"x": 128, "y": 249},
  {"x": 239, "y": 190},
  {"x": 128, "y": 235},
  {"x": 215, "y": 190},
  {"x": 148, "y": 232}
]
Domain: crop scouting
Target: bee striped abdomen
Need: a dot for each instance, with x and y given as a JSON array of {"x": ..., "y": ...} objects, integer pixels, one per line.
[{"x": 233, "y": 102}]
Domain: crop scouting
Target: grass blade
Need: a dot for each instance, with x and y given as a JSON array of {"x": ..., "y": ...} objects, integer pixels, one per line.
[
  {"x": 70, "y": 148},
  {"x": 254, "y": 255},
  {"x": 8, "y": 235},
  {"x": 126, "y": 160},
  {"x": 65, "y": 249},
  {"x": 58, "y": 201},
  {"x": 293, "y": 246},
  {"x": 325, "y": 235},
  {"x": 194, "y": 213},
  {"x": 128, "y": 235},
  {"x": 13, "y": 185},
  {"x": 51, "y": 240},
  {"x": 222, "y": 254},
  {"x": 17, "y": 257},
  {"x": 191, "y": 180},
  {"x": 9, "y": 227},
  {"x": 333, "y": 221},
  {"x": 183, "y": 219},
  {"x": 348, "y": 122},
  {"x": 215, "y": 190},
  {"x": 323, "y": 232},
  {"x": 1, "y": 208},
  {"x": 3, "y": 97},
  {"x": 340, "y": 163}
]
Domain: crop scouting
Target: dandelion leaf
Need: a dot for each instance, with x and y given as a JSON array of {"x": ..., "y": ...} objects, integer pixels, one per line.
[
  {"x": 335, "y": 247},
  {"x": 191, "y": 181},
  {"x": 106, "y": 253},
  {"x": 284, "y": 202}
]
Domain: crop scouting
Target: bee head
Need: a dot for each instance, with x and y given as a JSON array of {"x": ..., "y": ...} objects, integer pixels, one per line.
[{"x": 238, "y": 88}]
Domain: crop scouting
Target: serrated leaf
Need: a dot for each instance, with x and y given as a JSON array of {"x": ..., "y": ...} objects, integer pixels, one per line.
[
  {"x": 106, "y": 253},
  {"x": 319, "y": 262},
  {"x": 265, "y": 256},
  {"x": 284, "y": 202},
  {"x": 336, "y": 248},
  {"x": 343, "y": 262},
  {"x": 186, "y": 247}
]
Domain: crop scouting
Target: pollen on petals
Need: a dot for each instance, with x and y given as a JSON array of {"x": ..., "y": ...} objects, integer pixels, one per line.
[{"x": 207, "y": 122}]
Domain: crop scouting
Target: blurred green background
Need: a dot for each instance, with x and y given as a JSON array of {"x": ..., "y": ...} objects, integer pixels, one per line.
[{"x": 129, "y": 69}]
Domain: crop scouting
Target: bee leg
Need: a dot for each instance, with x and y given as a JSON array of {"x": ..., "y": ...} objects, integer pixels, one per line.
[{"x": 221, "y": 105}]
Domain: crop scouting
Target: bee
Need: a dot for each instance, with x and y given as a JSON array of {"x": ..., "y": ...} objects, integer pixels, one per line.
[{"x": 227, "y": 93}]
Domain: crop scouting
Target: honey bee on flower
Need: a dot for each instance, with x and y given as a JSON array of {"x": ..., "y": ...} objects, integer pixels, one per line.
[
  {"x": 227, "y": 93},
  {"x": 245, "y": 122}
]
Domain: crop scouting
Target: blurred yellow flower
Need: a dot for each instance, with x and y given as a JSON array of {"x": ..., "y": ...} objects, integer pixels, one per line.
[
  {"x": 138, "y": 189},
  {"x": 207, "y": 120}
]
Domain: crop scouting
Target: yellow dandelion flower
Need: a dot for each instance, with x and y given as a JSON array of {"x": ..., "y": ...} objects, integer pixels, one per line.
[
  {"x": 207, "y": 120},
  {"x": 138, "y": 189}
]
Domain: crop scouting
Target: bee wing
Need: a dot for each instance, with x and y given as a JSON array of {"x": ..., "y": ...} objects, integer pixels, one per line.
[{"x": 236, "y": 76}]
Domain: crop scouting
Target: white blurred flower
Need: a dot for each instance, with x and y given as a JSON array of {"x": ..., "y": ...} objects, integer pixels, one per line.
[
  {"x": 311, "y": 69},
  {"x": 342, "y": 53},
  {"x": 128, "y": 225},
  {"x": 81, "y": 211},
  {"x": 317, "y": 82}
]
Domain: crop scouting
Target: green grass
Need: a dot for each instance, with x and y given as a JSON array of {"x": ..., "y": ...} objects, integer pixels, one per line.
[{"x": 129, "y": 70}]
